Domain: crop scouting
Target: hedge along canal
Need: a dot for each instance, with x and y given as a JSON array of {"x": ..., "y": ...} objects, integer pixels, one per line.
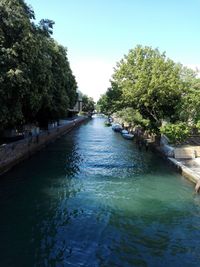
[{"x": 92, "y": 199}]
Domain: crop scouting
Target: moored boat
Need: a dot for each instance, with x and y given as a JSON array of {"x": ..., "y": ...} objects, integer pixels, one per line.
[
  {"x": 117, "y": 127},
  {"x": 128, "y": 136},
  {"x": 124, "y": 131}
]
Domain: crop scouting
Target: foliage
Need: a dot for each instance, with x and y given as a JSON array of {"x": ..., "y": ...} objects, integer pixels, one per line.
[
  {"x": 129, "y": 115},
  {"x": 189, "y": 108},
  {"x": 103, "y": 105},
  {"x": 36, "y": 81},
  {"x": 110, "y": 102},
  {"x": 88, "y": 104},
  {"x": 14, "y": 37},
  {"x": 176, "y": 132},
  {"x": 198, "y": 126},
  {"x": 150, "y": 83},
  {"x": 146, "y": 85}
]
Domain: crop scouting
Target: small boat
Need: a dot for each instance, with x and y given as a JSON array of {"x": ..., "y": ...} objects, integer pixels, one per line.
[
  {"x": 117, "y": 128},
  {"x": 128, "y": 136},
  {"x": 124, "y": 132}
]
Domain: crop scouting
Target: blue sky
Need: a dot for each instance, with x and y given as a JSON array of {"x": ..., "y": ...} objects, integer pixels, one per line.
[{"x": 98, "y": 33}]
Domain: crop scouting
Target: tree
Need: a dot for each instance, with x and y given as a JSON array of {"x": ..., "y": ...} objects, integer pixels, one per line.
[
  {"x": 88, "y": 104},
  {"x": 111, "y": 101},
  {"x": 150, "y": 83},
  {"x": 15, "y": 32},
  {"x": 60, "y": 92},
  {"x": 36, "y": 81},
  {"x": 189, "y": 108},
  {"x": 132, "y": 116},
  {"x": 103, "y": 104}
]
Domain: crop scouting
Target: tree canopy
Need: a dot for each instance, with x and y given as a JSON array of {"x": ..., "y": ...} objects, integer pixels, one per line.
[
  {"x": 36, "y": 81},
  {"x": 88, "y": 104},
  {"x": 154, "y": 86}
]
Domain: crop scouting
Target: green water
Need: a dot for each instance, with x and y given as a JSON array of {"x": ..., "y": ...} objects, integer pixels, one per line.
[{"x": 92, "y": 199}]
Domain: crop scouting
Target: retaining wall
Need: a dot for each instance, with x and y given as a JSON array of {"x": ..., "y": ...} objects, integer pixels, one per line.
[
  {"x": 187, "y": 172},
  {"x": 12, "y": 154}
]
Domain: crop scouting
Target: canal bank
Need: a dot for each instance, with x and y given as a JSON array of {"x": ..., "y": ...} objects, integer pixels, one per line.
[
  {"x": 185, "y": 160},
  {"x": 14, "y": 153},
  {"x": 189, "y": 168}
]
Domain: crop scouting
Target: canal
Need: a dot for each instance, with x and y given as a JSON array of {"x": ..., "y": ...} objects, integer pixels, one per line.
[{"x": 92, "y": 199}]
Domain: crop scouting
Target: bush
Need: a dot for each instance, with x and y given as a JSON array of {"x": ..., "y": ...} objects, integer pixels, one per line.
[
  {"x": 130, "y": 115},
  {"x": 176, "y": 133},
  {"x": 198, "y": 126}
]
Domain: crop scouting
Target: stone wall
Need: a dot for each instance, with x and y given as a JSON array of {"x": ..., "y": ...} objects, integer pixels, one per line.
[{"x": 11, "y": 154}]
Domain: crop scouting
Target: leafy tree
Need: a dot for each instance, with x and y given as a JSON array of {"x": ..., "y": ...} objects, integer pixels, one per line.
[
  {"x": 111, "y": 101},
  {"x": 88, "y": 104},
  {"x": 132, "y": 116},
  {"x": 103, "y": 104},
  {"x": 198, "y": 126},
  {"x": 148, "y": 88},
  {"x": 36, "y": 81},
  {"x": 189, "y": 108},
  {"x": 150, "y": 83},
  {"x": 15, "y": 28},
  {"x": 46, "y": 26},
  {"x": 60, "y": 85}
]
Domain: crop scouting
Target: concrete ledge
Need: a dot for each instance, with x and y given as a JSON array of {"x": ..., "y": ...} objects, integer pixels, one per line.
[
  {"x": 184, "y": 153},
  {"x": 185, "y": 171},
  {"x": 197, "y": 150}
]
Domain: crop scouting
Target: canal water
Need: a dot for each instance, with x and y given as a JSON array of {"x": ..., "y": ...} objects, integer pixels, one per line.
[{"x": 92, "y": 199}]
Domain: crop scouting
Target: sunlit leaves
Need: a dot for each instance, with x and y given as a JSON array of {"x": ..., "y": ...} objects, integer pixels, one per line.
[
  {"x": 88, "y": 104},
  {"x": 36, "y": 81},
  {"x": 176, "y": 132},
  {"x": 150, "y": 83}
]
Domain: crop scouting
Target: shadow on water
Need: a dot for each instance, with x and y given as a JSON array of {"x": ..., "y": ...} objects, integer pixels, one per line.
[{"x": 92, "y": 199}]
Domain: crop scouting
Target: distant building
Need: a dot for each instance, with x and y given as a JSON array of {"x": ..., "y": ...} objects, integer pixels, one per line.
[{"x": 79, "y": 104}]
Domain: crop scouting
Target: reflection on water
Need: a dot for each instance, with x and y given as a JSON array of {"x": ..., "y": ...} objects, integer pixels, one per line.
[{"x": 92, "y": 199}]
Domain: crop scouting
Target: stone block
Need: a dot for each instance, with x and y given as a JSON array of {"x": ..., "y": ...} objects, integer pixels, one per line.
[
  {"x": 184, "y": 153},
  {"x": 197, "y": 150}
]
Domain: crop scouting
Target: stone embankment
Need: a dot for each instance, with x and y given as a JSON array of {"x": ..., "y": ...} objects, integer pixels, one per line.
[
  {"x": 13, "y": 153},
  {"x": 186, "y": 160},
  {"x": 189, "y": 168}
]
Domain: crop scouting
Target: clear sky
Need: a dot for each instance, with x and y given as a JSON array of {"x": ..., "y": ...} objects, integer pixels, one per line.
[{"x": 97, "y": 33}]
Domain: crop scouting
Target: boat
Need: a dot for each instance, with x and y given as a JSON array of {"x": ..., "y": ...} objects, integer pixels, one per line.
[
  {"x": 117, "y": 128},
  {"x": 128, "y": 136},
  {"x": 124, "y": 132}
]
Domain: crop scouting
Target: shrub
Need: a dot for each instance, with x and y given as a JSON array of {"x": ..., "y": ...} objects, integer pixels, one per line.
[
  {"x": 198, "y": 126},
  {"x": 176, "y": 133}
]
